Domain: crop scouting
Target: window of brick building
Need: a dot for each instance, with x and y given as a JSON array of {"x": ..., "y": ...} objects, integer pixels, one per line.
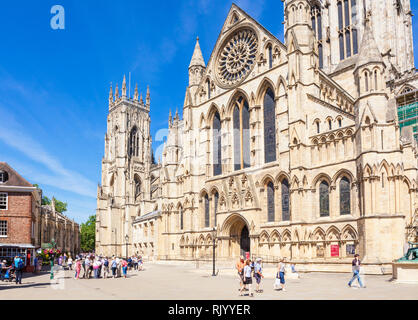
[
  {"x": 3, "y": 201},
  {"x": 3, "y": 176},
  {"x": 3, "y": 228}
]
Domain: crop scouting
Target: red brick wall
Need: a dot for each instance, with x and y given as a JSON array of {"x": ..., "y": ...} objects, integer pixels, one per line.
[{"x": 19, "y": 218}]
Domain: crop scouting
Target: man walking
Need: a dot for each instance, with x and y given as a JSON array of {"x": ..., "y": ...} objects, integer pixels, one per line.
[
  {"x": 356, "y": 271},
  {"x": 18, "y": 262},
  {"x": 258, "y": 274}
]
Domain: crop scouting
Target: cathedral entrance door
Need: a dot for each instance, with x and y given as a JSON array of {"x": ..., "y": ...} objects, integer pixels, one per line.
[{"x": 244, "y": 241}]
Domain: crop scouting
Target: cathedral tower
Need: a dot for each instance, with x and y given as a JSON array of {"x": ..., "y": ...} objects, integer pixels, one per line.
[{"x": 125, "y": 170}]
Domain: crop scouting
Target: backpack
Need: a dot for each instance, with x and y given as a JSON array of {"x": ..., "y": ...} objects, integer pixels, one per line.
[
  {"x": 106, "y": 263},
  {"x": 19, "y": 265}
]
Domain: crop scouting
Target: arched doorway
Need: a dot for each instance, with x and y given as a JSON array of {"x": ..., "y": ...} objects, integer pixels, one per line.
[
  {"x": 244, "y": 241},
  {"x": 236, "y": 236}
]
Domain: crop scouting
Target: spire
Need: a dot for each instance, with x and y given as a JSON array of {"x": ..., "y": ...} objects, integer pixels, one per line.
[
  {"x": 141, "y": 100},
  {"x": 170, "y": 118},
  {"x": 136, "y": 93},
  {"x": 148, "y": 98},
  {"x": 369, "y": 52},
  {"x": 117, "y": 92},
  {"x": 110, "y": 94},
  {"x": 197, "y": 58},
  {"x": 177, "y": 114},
  {"x": 124, "y": 87}
]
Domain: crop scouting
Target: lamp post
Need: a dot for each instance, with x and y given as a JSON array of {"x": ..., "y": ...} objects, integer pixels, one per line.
[
  {"x": 213, "y": 249},
  {"x": 126, "y": 241}
]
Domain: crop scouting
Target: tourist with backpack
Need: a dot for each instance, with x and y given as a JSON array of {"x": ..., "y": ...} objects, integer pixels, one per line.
[
  {"x": 19, "y": 265},
  {"x": 114, "y": 266},
  {"x": 105, "y": 268}
]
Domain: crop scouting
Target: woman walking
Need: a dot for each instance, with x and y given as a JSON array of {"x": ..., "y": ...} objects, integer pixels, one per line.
[
  {"x": 124, "y": 267},
  {"x": 77, "y": 269},
  {"x": 240, "y": 269},
  {"x": 247, "y": 279},
  {"x": 70, "y": 263}
]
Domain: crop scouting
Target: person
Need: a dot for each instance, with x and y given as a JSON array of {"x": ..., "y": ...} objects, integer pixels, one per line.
[
  {"x": 124, "y": 265},
  {"x": 135, "y": 262},
  {"x": 130, "y": 263},
  {"x": 119, "y": 268},
  {"x": 77, "y": 269},
  {"x": 356, "y": 271},
  {"x": 89, "y": 267},
  {"x": 19, "y": 265},
  {"x": 258, "y": 274},
  {"x": 105, "y": 268},
  {"x": 281, "y": 270},
  {"x": 96, "y": 268},
  {"x": 83, "y": 263},
  {"x": 70, "y": 263},
  {"x": 140, "y": 263},
  {"x": 247, "y": 279},
  {"x": 114, "y": 266},
  {"x": 240, "y": 269},
  {"x": 35, "y": 264}
]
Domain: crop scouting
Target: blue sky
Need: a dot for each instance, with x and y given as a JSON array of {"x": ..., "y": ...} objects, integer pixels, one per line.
[{"x": 54, "y": 84}]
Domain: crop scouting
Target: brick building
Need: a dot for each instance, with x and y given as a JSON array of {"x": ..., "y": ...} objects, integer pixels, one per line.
[{"x": 25, "y": 224}]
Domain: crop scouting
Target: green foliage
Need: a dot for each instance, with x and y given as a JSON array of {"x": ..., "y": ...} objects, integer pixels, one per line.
[
  {"x": 88, "y": 234},
  {"x": 60, "y": 206},
  {"x": 45, "y": 200}
]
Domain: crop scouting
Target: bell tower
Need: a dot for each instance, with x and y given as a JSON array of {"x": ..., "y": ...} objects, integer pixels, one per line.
[{"x": 125, "y": 169}]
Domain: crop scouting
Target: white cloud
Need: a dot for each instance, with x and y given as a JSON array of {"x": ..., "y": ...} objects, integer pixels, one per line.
[{"x": 12, "y": 134}]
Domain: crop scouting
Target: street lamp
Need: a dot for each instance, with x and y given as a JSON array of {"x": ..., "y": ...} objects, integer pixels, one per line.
[
  {"x": 214, "y": 245},
  {"x": 126, "y": 241}
]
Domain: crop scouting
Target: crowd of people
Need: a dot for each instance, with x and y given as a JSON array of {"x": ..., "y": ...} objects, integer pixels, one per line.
[
  {"x": 94, "y": 266},
  {"x": 249, "y": 269}
]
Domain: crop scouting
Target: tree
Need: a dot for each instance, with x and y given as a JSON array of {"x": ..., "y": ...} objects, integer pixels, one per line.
[
  {"x": 60, "y": 206},
  {"x": 88, "y": 234},
  {"x": 46, "y": 200}
]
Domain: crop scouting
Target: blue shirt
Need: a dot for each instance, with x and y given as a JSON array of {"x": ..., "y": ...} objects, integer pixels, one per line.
[
  {"x": 257, "y": 268},
  {"x": 17, "y": 261},
  {"x": 247, "y": 271}
]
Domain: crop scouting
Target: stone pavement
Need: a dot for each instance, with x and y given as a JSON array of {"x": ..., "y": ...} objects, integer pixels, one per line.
[{"x": 174, "y": 282}]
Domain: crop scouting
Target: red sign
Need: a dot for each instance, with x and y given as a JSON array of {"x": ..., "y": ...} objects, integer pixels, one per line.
[
  {"x": 335, "y": 250},
  {"x": 247, "y": 256}
]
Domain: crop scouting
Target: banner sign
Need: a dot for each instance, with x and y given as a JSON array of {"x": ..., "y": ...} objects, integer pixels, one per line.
[{"x": 335, "y": 250}]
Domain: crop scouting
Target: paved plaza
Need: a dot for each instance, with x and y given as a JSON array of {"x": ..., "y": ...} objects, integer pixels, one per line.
[{"x": 174, "y": 282}]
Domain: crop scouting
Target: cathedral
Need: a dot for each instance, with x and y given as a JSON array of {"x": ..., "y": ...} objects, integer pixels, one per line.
[{"x": 293, "y": 149}]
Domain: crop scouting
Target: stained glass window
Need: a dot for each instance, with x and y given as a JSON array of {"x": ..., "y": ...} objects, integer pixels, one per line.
[
  {"x": 324, "y": 199},
  {"x": 206, "y": 211},
  {"x": 270, "y": 202},
  {"x": 347, "y": 19},
  {"x": 217, "y": 145},
  {"x": 237, "y": 139},
  {"x": 181, "y": 218},
  {"x": 285, "y": 200},
  {"x": 216, "y": 196},
  {"x": 241, "y": 123},
  {"x": 317, "y": 28},
  {"x": 345, "y": 196},
  {"x": 269, "y": 127},
  {"x": 270, "y": 57}
]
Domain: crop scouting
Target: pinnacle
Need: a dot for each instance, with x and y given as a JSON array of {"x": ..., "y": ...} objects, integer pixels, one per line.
[{"x": 197, "y": 58}]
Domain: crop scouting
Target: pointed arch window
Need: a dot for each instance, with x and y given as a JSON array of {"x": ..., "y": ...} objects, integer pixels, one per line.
[
  {"x": 269, "y": 127},
  {"x": 208, "y": 84},
  {"x": 345, "y": 196},
  {"x": 347, "y": 32},
  {"x": 241, "y": 124},
  {"x": 216, "y": 201},
  {"x": 206, "y": 200},
  {"x": 324, "y": 199},
  {"x": 270, "y": 202},
  {"x": 181, "y": 218},
  {"x": 285, "y": 200},
  {"x": 137, "y": 186},
  {"x": 217, "y": 145},
  {"x": 316, "y": 17},
  {"x": 133, "y": 143},
  {"x": 270, "y": 52}
]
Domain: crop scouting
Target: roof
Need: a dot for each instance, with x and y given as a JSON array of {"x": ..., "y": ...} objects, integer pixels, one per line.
[
  {"x": 148, "y": 216},
  {"x": 15, "y": 179}
]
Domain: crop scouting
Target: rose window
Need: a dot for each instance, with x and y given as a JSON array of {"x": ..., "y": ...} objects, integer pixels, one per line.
[{"x": 237, "y": 57}]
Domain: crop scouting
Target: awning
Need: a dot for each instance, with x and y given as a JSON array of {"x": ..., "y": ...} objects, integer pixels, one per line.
[{"x": 17, "y": 245}]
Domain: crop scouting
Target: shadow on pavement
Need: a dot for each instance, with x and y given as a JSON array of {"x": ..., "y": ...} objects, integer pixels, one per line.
[{"x": 29, "y": 285}]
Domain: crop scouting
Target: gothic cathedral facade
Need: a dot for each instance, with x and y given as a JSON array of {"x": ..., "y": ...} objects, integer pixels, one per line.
[{"x": 283, "y": 149}]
